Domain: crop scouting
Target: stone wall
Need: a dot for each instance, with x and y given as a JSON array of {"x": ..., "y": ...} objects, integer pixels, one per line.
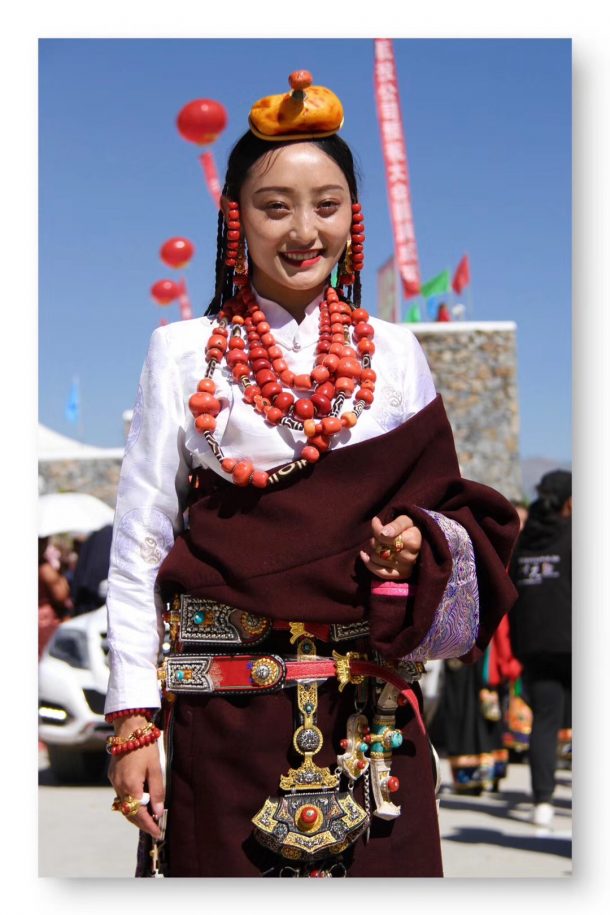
[
  {"x": 475, "y": 369},
  {"x": 97, "y": 477}
]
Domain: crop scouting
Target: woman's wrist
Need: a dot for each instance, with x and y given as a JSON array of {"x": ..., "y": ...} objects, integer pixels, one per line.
[
  {"x": 127, "y": 724},
  {"x": 125, "y": 720},
  {"x": 132, "y": 734}
]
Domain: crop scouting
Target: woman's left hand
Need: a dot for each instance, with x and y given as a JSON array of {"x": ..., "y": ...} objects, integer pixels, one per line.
[{"x": 398, "y": 565}]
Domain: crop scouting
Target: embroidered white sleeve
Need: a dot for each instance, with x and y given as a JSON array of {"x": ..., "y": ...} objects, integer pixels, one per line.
[
  {"x": 150, "y": 499},
  {"x": 456, "y": 619}
]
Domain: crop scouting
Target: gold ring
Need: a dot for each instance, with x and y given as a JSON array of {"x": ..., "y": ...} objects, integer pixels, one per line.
[
  {"x": 383, "y": 551},
  {"x": 388, "y": 550},
  {"x": 128, "y": 805}
]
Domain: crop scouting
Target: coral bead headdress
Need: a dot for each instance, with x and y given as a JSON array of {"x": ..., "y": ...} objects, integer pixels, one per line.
[{"x": 305, "y": 113}]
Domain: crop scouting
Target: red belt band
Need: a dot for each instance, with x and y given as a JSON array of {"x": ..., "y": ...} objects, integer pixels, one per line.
[{"x": 238, "y": 674}]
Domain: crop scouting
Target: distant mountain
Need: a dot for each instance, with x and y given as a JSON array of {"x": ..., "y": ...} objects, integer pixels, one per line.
[{"x": 533, "y": 468}]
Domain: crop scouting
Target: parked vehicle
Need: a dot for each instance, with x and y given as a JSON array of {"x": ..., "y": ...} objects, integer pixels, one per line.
[{"x": 72, "y": 686}]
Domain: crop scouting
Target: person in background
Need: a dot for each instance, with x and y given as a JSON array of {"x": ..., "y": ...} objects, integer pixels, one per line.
[
  {"x": 472, "y": 702},
  {"x": 541, "y": 628},
  {"x": 54, "y": 602},
  {"x": 516, "y": 712},
  {"x": 90, "y": 580}
]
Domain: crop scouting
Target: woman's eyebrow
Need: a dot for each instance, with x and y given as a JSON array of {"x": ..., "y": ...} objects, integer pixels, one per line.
[{"x": 290, "y": 190}]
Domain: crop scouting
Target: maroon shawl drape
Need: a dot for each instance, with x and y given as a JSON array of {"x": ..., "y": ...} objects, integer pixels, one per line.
[{"x": 292, "y": 551}]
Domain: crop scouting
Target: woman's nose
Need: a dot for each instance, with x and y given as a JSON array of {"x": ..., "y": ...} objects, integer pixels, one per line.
[{"x": 303, "y": 227}]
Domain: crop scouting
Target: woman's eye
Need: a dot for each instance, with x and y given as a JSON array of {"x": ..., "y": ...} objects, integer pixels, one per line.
[
  {"x": 276, "y": 206},
  {"x": 328, "y": 206}
]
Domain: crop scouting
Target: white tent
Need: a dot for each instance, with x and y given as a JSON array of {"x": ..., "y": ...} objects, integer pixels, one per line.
[
  {"x": 55, "y": 447},
  {"x": 72, "y": 513}
]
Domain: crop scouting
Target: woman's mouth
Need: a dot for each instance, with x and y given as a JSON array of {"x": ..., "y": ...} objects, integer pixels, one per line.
[{"x": 302, "y": 259}]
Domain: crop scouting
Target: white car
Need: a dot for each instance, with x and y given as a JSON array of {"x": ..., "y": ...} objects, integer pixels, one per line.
[{"x": 72, "y": 686}]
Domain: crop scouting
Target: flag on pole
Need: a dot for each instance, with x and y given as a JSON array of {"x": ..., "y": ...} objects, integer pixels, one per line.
[
  {"x": 438, "y": 285},
  {"x": 414, "y": 314},
  {"x": 396, "y": 166},
  {"x": 462, "y": 275},
  {"x": 73, "y": 403}
]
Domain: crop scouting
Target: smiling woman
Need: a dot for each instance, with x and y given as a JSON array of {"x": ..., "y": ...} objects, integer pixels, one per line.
[
  {"x": 296, "y": 208},
  {"x": 317, "y": 547}
]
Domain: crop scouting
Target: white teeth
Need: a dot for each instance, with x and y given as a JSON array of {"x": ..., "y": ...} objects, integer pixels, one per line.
[{"x": 300, "y": 257}]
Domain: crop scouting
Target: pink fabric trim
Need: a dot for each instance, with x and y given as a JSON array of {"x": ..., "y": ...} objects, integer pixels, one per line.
[{"x": 393, "y": 589}]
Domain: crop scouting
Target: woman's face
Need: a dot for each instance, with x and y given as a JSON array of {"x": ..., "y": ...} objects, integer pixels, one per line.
[{"x": 296, "y": 211}]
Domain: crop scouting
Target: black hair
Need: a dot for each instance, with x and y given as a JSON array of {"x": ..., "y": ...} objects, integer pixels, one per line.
[{"x": 246, "y": 152}]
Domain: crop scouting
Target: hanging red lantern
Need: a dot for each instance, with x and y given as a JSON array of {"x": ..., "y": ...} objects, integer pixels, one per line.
[
  {"x": 202, "y": 121},
  {"x": 165, "y": 291},
  {"x": 177, "y": 252}
]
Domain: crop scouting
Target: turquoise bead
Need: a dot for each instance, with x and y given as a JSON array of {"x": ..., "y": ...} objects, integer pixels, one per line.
[
  {"x": 309, "y": 708},
  {"x": 180, "y": 675},
  {"x": 363, "y": 747},
  {"x": 396, "y": 740},
  {"x": 198, "y": 618}
]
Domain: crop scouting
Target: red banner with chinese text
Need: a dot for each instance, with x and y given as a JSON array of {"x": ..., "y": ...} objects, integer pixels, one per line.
[{"x": 397, "y": 172}]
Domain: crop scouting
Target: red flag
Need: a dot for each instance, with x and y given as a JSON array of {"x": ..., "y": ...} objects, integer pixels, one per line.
[{"x": 462, "y": 275}]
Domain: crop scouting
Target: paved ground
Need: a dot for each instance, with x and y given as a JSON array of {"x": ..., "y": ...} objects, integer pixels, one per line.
[
  {"x": 482, "y": 837},
  {"x": 492, "y": 836}
]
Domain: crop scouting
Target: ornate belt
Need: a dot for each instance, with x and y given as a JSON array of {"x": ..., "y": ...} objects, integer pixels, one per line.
[
  {"x": 194, "y": 620},
  {"x": 237, "y": 674}
]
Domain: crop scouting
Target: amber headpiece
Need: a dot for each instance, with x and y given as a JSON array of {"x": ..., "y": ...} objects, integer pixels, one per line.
[{"x": 305, "y": 113}]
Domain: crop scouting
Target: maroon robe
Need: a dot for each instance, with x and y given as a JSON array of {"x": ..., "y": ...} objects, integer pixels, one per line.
[{"x": 292, "y": 552}]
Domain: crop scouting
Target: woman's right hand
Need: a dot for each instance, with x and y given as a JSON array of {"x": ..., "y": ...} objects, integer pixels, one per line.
[{"x": 136, "y": 772}]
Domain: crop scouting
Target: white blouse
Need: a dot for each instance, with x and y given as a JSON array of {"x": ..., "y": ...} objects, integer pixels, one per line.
[{"x": 163, "y": 446}]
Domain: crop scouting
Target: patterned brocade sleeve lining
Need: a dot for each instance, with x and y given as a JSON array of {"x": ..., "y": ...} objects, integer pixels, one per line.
[{"x": 456, "y": 620}]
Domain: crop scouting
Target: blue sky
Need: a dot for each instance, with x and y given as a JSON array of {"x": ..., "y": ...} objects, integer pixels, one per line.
[{"x": 488, "y": 127}]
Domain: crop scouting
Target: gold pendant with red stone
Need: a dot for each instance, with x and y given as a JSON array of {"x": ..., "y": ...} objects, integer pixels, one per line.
[{"x": 315, "y": 818}]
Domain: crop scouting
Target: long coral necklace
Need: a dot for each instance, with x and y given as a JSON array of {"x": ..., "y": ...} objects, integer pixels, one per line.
[{"x": 243, "y": 338}]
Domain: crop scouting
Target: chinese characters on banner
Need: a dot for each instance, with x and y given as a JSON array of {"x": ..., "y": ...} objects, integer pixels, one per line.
[
  {"x": 388, "y": 308},
  {"x": 397, "y": 174}
]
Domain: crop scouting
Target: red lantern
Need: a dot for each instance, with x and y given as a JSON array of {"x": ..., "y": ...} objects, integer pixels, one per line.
[
  {"x": 202, "y": 121},
  {"x": 177, "y": 252},
  {"x": 165, "y": 291}
]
